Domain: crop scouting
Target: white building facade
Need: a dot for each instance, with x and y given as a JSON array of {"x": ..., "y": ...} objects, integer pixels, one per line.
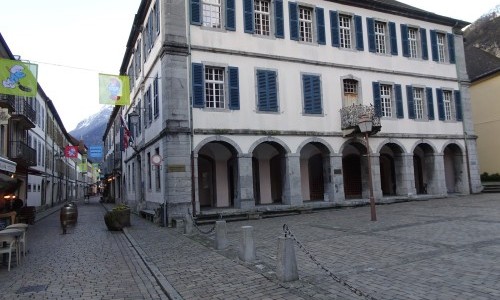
[{"x": 254, "y": 105}]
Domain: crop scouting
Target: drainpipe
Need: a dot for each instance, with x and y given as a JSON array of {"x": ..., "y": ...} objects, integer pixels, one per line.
[{"x": 467, "y": 162}]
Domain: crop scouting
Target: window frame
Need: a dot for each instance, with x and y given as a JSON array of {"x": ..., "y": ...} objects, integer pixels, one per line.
[
  {"x": 352, "y": 34},
  {"x": 224, "y": 85},
  {"x": 320, "y": 103},
  {"x": 344, "y": 93},
  {"x": 221, "y": 19},
  {"x": 269, "y": 14},
  {"x": 258, "y": 91},
  {"x": 311, "y": 22}
]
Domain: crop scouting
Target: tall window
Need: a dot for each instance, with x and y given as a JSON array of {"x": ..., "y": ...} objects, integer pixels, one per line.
[
  {"x": 418, "y": 102},
  {"x": 133, "y": 177},
  {"x": 149, "y": 170},
  {"x": 381, "y": 37},
  {"x": 267, "y": 91},
  {"x": 350, "y": 92},
  {"x": 157, "y": 173},
  {"x": 413, "y": 42},
  {"x": 311, "y": 88},
  {"x": 306, "y": 24},
  {"x": 156, "y": 108},
  {"x": 262, "y": 17},
  {"x": 386, "y": 100},
  {"x": 441, "y": 47},
  {"x": 212, "y": 13},
  {"x": 214, "y": 87},
  {"x": 345, "y": 30},
  {"x": 447, "y": 97}
]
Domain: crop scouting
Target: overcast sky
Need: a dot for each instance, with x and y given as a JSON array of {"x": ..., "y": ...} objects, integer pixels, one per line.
[{"x": 74, "y": 40}]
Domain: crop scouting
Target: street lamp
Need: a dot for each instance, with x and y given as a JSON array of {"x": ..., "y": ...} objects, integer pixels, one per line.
[{"x": 365, "y": 124}]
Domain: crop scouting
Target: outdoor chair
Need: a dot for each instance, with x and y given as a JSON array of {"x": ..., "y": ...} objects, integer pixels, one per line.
[
  {"x": 10, "y": 241},
  {"x": 22, "y": 240}
]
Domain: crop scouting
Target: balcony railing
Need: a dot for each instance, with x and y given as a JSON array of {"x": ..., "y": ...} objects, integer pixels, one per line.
[
  {"x": 7, "y": 101},
  {"x": 24, "y": 113},
  {"x": 22, "y": 154},
  {"x": 350, "y": 116}
]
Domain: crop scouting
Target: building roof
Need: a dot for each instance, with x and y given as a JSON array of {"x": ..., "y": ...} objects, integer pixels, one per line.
[{"x": 480, "y": 63}]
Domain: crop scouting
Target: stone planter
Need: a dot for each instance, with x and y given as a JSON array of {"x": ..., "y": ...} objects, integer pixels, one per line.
[{"x": 117, "y": 219}]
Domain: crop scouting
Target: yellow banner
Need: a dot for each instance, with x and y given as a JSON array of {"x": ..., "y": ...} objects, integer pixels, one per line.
[
  {"x": 114, "y": 89},
  {"x": 18, "y": 78}
]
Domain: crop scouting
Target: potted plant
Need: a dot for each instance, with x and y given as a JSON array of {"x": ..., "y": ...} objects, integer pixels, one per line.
[{"x": 118, "y": 217}]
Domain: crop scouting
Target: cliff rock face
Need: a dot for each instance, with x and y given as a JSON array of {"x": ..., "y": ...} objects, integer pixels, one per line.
[{"x": 484, "y": 33}]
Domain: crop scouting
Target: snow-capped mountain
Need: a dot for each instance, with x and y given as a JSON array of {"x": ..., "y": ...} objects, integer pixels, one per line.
[{"x": 92, "y": 128}]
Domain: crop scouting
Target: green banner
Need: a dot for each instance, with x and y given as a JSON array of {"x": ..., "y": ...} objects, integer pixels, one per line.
[
  {"x": 114, "y": 89},
  {"x": 18, "y": 78}
]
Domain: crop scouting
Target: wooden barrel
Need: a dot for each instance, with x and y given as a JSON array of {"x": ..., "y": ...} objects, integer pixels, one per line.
[{"x": 68, "y": 215}]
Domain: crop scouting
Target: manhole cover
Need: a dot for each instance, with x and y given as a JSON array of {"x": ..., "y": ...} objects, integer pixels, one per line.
[{"x": 32, "y": 289}]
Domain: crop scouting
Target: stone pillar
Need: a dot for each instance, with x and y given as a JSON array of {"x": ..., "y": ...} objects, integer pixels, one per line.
[
  {"x": 377, "y": 185},
  {"x": 188, "y": 224},
  {"x": 292, "y": 187},
  {"x": 437, "y": 182},
  {"x": 245, "y": 197},
  {"x": 286, "y": 269},
  {"x": 197, "y": 206},
  {"x": 247, "y": 248},
  {"x": 221, "y": 242},
  {"x": 336, "y": 189},
  {"x": 405, "y": 175}
]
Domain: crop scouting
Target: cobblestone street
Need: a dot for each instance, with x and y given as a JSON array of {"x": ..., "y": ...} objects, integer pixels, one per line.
[{"x": 436, "y": 249}]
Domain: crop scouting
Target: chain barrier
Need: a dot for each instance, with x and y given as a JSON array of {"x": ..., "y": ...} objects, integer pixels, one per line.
[
  {"x": 198, "y": 228},
  {"x": 288, "y": 233}
]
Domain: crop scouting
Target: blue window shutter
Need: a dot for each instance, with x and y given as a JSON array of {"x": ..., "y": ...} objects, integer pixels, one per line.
[
  {"x": 294, "y": 21},
  {"x": 394, "y": 39},
  {"x": 404, "y": 40},
  {"x": 370, "y": 24},
  {"x": 262, "y": 102},
  {"x": 312, "y": 94},
  {"x": 423, "y": 40},
  {"x": 198, "y": 85},
  {"x": 399, "y": 101},
  {"x": 334, "y": 28},
  {"x": 376, "y": 98},
  {"x": 272, "y": 91},
  {"x": 234, "y": 88},
  {"x": 434, "y": 46},
  {"x": 195, "y": 12},
  {"x": 267, "y": 91},
  {"x": 358, "y": 24},
  {"x": 230, "y": 15},
  {"x": 439, "y": 94},
  {"x": 248, "y": 16},
  {"x": 279, "y": 19},
  {"x": 451, "y": 47},
  {"x": 458, "y": 105},
  {"x": 320, "y": 23},
  {"x": 411, "y": 103},
  {"x": 430, "y": 103}
]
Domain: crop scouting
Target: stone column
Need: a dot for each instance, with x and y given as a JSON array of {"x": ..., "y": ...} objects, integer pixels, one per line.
[
  {"x": 405, "y": 176},
  {"x": 377, "y": 185},
  {"x": 291, "y": 184},
  {"x": 245, "y": 197},
  {"x": 221, "y": 241},
  {"x": 247, "y": 247},
  {"x": 437, "y": 182},
  {"x": 336, "y": 188},
  {"x": 286, "y": 269}
]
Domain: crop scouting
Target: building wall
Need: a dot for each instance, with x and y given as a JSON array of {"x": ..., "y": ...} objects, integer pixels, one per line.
[{"x": 486, "y": 112}]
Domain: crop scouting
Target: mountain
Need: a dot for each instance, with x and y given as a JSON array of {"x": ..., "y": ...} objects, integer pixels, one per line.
[
  {"x": 484, "y": 33},
  {"x": 92, "y": 128}
]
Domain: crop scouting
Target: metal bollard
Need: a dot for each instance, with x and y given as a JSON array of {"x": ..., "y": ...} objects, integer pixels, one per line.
[
  {"x": 220, "y": 235},
  {"x": 247, "y": 249},
  {"x": 286, "y": 269},
  {"x": 188, "y": 224}
]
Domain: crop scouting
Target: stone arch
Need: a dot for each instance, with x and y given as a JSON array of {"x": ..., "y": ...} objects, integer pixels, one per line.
[
  {"x": 452, "y": 142},
  {"x": 218, "y": 138},
  {"x": 315, "y": 140},
  {"x": 391, "y": 141},
  {"x": 422, "y": 141},
  {"x": 269, "y": 139}
]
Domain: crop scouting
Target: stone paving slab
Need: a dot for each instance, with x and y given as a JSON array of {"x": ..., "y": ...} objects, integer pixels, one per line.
[{"x": 89, "y": 262}]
